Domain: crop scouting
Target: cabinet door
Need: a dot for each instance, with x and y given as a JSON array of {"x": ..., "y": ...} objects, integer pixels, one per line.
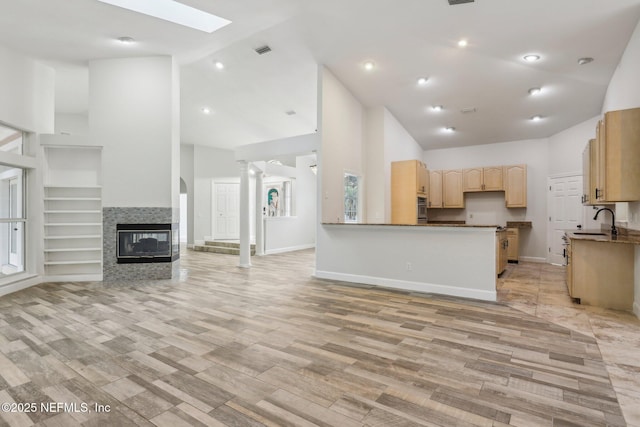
[
  {"x": 423, "y": 178},
  {"x": 452, "y": 195},
  {"x": 599, "y": 192},
  {"x": 403, "y": 192},
  {"x": 570, "y": 270},
  {"x": 516, "y": 186},
  {"x": 512, "y": 249},
  {"x": 492, "y": 179},
  {"x": 621, "y": 180},
  {"x": 435, "y": 189},
  {"x": 472, "y": 180},
  {"x": 586, "y": 173}
]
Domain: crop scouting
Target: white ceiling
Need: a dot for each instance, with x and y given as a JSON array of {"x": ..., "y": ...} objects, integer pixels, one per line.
[{"x": 250, "y": 96}]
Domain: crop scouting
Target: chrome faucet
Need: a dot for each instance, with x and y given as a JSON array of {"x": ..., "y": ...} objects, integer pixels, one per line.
[{"x": 614, "y": 230}]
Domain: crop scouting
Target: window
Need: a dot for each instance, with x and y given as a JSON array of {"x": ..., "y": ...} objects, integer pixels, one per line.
[
  {"x": 12, "y": 220},
  {"x": 351, "y": 198}
]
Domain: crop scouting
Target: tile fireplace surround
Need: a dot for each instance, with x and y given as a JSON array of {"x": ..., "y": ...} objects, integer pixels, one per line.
[{"x": 113, "y": 271}]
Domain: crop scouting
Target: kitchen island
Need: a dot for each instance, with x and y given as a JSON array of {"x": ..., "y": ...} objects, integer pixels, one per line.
[{"x": 450, "y": 259}]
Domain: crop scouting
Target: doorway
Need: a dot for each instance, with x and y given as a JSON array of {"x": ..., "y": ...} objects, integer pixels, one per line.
[
  {"x": 565, "y": 212},
  {"x": 226, "y": 211}
]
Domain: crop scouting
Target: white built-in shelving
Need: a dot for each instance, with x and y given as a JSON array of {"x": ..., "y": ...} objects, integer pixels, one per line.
[{"x": 73, "y": 213}]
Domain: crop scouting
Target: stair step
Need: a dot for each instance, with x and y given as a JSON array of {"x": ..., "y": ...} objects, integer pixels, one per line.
[
  {"x": 220, "y": 249},
  {"x": 225, "y": 244}
]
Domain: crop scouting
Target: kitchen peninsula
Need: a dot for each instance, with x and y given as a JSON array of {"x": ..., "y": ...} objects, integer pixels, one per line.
[{"x": 449, "y": 259}]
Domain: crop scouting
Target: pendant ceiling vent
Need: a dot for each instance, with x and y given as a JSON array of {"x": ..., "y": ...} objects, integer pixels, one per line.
[{"x": 455, "y": 2}]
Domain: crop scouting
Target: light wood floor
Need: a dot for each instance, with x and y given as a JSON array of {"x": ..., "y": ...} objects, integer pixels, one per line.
[{"x": 273, "y": 346}]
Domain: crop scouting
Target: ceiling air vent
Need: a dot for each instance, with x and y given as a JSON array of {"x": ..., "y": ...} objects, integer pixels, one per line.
[
  {"x": 468, "y": 110},
  {"x": 263, "y": 49},
  {"x": 455, "y": 2}
]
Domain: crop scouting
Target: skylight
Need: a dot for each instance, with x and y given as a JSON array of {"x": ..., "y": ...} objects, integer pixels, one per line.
[{"x": 175, "y": 12}]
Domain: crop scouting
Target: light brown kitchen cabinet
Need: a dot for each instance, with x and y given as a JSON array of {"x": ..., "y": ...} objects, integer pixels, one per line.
[
  {"x": 482, "y": 179},
  {"x": 515, "y": 186},
  {"x": 452, "y": 195},
  {"x": 409, "y": 179},
  {"x": 618, "y": 157},
  {"x": 435, "y": 189},
  {"x": 601, "y": 273},
  {"x": 502, "y": 245},
  {"x": 587, "y": 172},
  {"x": 513, "y": 237}
]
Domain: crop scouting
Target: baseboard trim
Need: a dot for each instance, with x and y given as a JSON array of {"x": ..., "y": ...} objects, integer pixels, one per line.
[
  {"x": 289, "y": 249},
  {"x": 73, "y": 278},
  {"x": 539, "y": 260},
  {"x": 20, "y": 284},
  {"x": 463, "y": 292}
]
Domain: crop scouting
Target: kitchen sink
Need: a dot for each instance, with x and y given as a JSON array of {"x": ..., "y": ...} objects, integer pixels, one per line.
[{"x": 588, "y": 233}]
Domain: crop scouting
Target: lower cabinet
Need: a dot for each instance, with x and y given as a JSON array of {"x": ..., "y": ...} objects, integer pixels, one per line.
[
  {"x": 513, "y": 237},
  {"x": 601, "y": 273}
]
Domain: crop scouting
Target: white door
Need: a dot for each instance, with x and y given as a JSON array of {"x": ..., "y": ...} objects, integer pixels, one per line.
[
  {"x": 15, "y": 228},
  {"x": 565, "y": 212},
  {"x": 226, "y": 218}
]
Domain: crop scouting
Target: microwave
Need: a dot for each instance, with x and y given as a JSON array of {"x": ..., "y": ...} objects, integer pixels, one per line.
[{"x": 421, "y": 210}]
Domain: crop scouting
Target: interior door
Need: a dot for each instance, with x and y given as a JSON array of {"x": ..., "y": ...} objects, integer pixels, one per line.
[
  {"x": 226, "y": 218},
  {"x": 565, "y": 212}
]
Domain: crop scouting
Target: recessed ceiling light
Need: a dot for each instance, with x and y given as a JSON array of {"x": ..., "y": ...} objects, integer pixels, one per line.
[
  {"x": 449, "y": 129},
  {"x": 423, "y": 81},
  {"x": 531, "y": 58},
  {"x": 463, "y": 43},
  {"x": 125, "y": 40},
  {"x": 585, "y": 60},
  {"x": 205, "y": 110},
  {"x": 219, "y": 65},
  {"x": 437, "y": 108},
  {"x": 536, "y": 118},
  {"x": 172, "y": 11},
  {"x": 369, "y": 65},
  {"x": 535, "y": 91}
]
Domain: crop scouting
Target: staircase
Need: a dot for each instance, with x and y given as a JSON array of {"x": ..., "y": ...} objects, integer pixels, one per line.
[{"x": 222, "y": 247}]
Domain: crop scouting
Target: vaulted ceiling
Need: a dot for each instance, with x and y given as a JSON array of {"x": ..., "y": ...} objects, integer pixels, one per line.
[{"x": 253, "y": 97}]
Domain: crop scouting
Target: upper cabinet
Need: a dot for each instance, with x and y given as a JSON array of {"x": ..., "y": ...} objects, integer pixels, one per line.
[
  {"x": 409, "y": 179},
  {"x": 587, "y": 172},
  {"x": 452, "y": 195},
  {"x": 515, "y": 186},
  {"x": 618, "y": 157},
  {"x": 435, "y": 189},
  {"x": 482, "y": 179}
]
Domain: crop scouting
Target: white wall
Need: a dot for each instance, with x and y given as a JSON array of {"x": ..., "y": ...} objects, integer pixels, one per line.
[
  {"x": 132, "y": 114},
  {"x": 624, "y": 92},
  {"x": 490, "y": 207},
  {"x": 342, "y": 143},
  {"x": 187, "y": 174},
  {"x": 208, "y": 164},
  {"x": 27, "y": 88},
  {"x": 565, "y": 148},
  {"x": 283, "y": 234}
]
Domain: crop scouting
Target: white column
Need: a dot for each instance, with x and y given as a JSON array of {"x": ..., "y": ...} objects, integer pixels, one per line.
[
  {"x": 245, "y": 238},
  {"x": 259, "y": 215}
]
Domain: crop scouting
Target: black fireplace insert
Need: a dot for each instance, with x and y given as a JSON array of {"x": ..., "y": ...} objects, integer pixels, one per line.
[{"x": 137, "y": 243}]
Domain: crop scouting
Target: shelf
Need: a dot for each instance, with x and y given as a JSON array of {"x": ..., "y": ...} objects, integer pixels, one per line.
[
  {"x": 72, "y": 199},
  {"x": 72, "y": 224},
  {"x": 73, "y": 212},
  {"x": 73, "y": 250},
  {"x": 86, "y": 236},
  {"x": 98, "y": 261}
]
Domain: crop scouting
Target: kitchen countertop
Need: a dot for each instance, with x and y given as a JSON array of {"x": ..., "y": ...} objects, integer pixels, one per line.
[
  {"x": 519, "y": 224},
  {"x": 622, "y": 237}
]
